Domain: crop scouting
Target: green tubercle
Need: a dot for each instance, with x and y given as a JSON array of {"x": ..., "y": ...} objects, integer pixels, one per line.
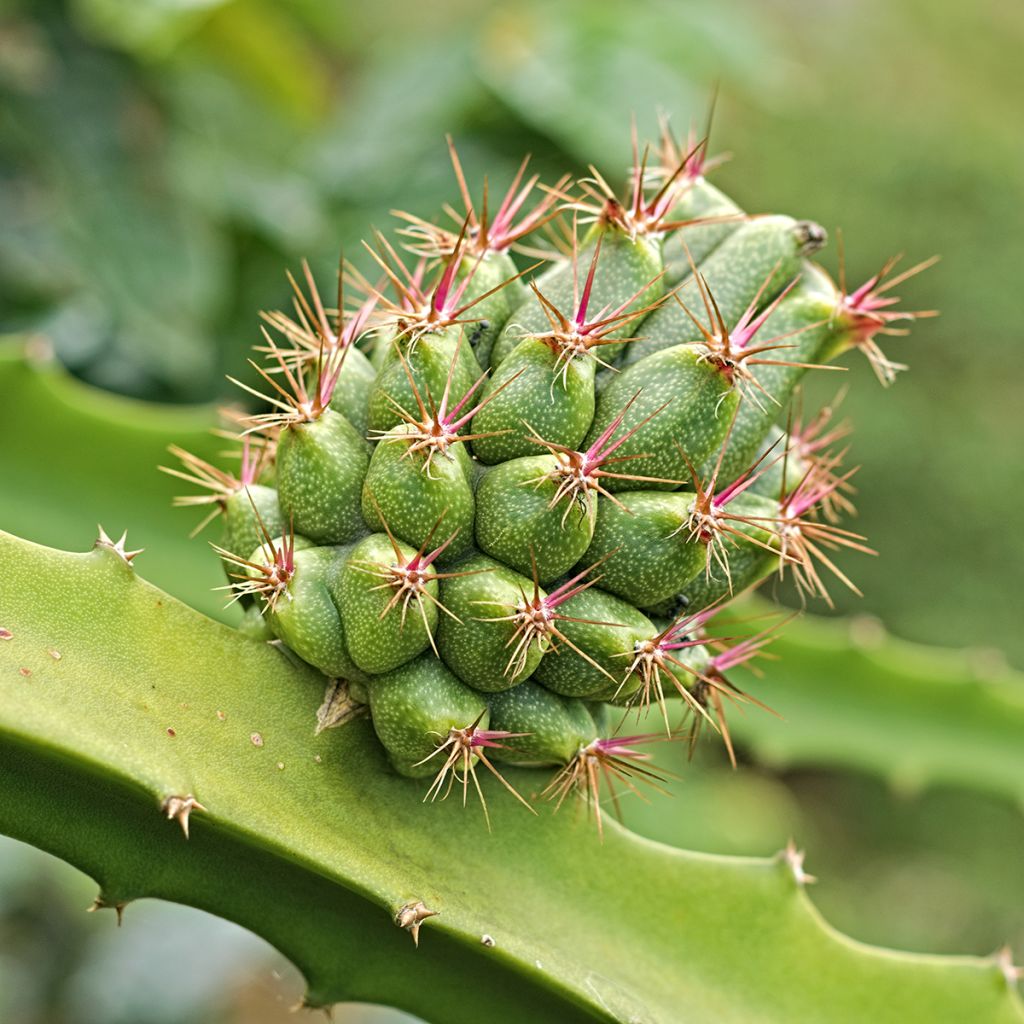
[
  {"x": 321, "y": 465},
  {"x": 537, "y": 392},
  {"x": 482, "y": 641},
  {"x": 697, "y": 242},
  {"x": 521, "y": 520},
  {"x": 688, "y": 402},
  {"x": 626, "y": 279},
  {"x": 770, "y": 247},
  {"x": 412, "y": 489},
  {"x": 303, "y": 613},
  {"x": 553, "y": 727},
  {"x": 792, "y": 336},
  {"x": 388, "y": 603},
  {"x": 600, "y": 632},
  {"x": 421, "y": 366},
  {"x": 414, "y": 709},
  {"x": 644, "y": 543}
]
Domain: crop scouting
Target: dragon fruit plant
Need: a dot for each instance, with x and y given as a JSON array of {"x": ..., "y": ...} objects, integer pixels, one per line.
[
  {"x": 506, "y": 507},
  {"x": 490, "y": 515}
]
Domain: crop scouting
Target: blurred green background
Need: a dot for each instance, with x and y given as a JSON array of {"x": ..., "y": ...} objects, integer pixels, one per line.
[{"x": 162, "y": 162}]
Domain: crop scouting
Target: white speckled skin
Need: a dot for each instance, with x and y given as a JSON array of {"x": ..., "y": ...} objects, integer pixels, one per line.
[
  {"x": 610, "y": 646},
  {"x": 514, "y": 516},
  {"x": 412, "y": 501},
  {"x": 531, "y": 387},
  {"x": 339, "y": 488},
  {"x": 699, "y": 241},
  {"x": 556, "y": 729},
  {"x": 378, "y": 640},
  {"x": 698, "y": 405},
  {"x": 475, "y": 649},
  {"x": 320, "y": 471}
]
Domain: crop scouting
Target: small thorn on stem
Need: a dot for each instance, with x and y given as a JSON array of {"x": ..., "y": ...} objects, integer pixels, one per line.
[
  {"x": 101, "y": 903},
  {"x": 1011, "y": 972},
  {"x": 118, "y": 547},
  {"x": 411, "y": 917},
  {"x": 794, "y": 860},
  {"x": 178, "y": 808}
]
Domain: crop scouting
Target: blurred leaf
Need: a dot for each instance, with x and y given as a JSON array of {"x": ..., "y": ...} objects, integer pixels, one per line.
[
  {"x": 939, "y": 871},
  {"x": 140, "y": 981},
  {"x": 716, "y": 810},
  {"x": 83, "y": 457},
  {"x": 148, "y": 30},
  {"x": 142, "y": 274},
  {"x": 579, "y": 71},
  {"x": 851, "y": 696},
  {"x": 265, "y": 46}
]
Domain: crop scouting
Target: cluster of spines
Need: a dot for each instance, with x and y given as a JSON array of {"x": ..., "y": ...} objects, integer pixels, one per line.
[{"x": 596, "y": 442}]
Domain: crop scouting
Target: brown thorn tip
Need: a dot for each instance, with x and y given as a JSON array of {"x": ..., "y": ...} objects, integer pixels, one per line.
[
  {"x": 101, "y": 904},
  {"x": 118, "y": 547},
  {"x": 178, "y": 808},
  {"x": 411, "y": 916}
]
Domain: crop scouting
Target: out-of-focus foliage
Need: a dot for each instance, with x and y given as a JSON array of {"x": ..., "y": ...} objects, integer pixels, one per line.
[{"x": 93, "y": 461}]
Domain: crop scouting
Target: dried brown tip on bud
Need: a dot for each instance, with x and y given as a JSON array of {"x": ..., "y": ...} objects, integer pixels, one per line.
[{"x": 338, "y": 707}]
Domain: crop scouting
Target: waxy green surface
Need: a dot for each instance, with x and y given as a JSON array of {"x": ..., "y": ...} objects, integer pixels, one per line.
[
  {"x": 414, "y": 707},
  {"x": 351, "y": 395},
  {"x": 698, "y": 241},
  {"x": 690, "y": 405},
  {"x": 382, "y": 632},
  {"x": 477, "y": 641},
  {"x": 421, "y": 502},
  {"x": 602, "y": 631},
  {"x": 314, "y": 844}
]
